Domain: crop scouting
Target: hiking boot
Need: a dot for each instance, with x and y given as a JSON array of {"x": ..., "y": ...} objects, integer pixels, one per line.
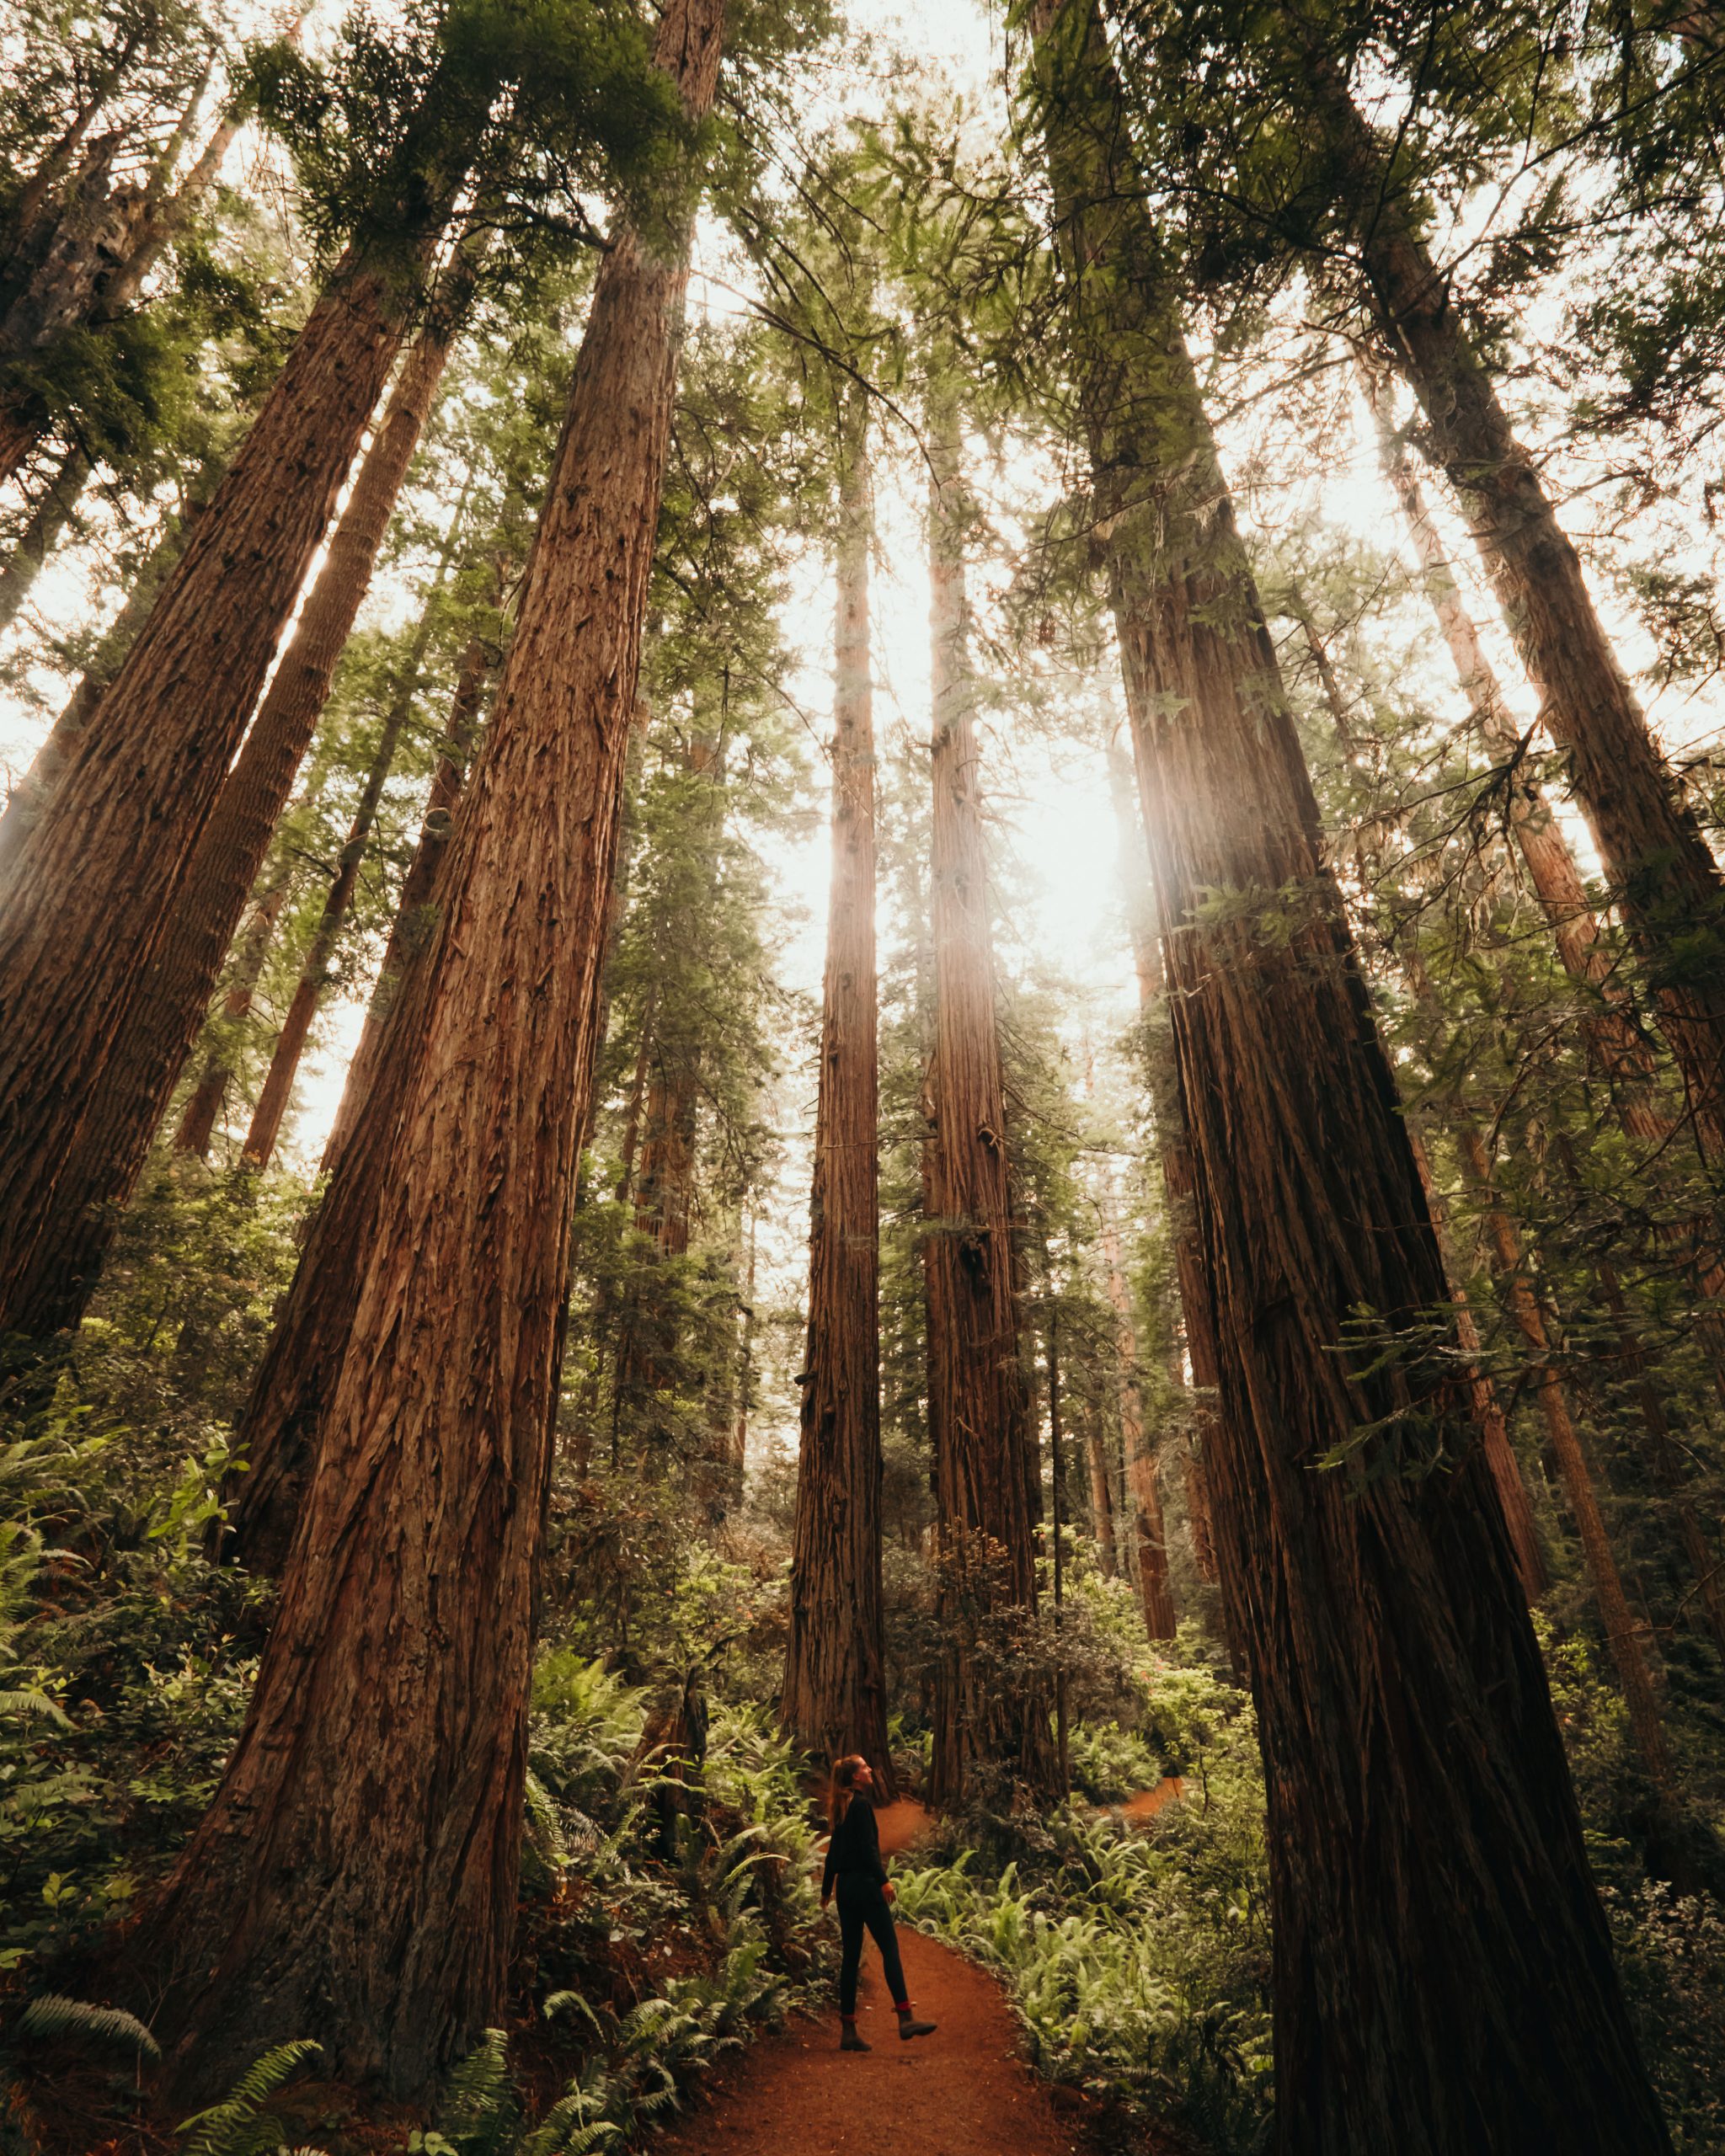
[
  {"x": 909, "y": 2026},
  {"x": 849, "y": 2040}
]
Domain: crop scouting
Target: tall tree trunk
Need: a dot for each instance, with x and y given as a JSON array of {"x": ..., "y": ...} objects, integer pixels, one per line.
[
  {"x": 1443, "y": 1975},
  {"x": 1175, "y": 1157},
  {"x": 91, "y": 893},
  {"x": 835, "y": 1687},
  {"x": 979, "y": 1412},
  {"x": 128, "y": 1089},
  {"x": 411, "y": 931},
  {"x": 375, "y": 1911},
  {"x": 277, "y": 1432},
  {"x": 30, "y": 798},
  {"x": 1488, "y": 1409},
  {"x": 1618, "y": 1048},
  {"x": 1102, "y": 1499},
  {"x": 197, "y": 1124},
  {"x": 314, "y": 974},
  {"x": 1628, "y": 1643},
  {"x": 1664, "y": 880},
  {"x": 1156, "y": 1590},
  {"x": 56, "y": 505}
]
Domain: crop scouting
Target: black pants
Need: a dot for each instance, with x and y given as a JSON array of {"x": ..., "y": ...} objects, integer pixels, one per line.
[{"x": 863, "y": 1905}]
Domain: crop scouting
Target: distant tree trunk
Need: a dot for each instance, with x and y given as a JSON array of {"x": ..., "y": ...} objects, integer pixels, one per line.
[
  {"x": 130, "y": 1091},
  {"x": 1102, "y": 1499},
  {"x": 197, "y": 1124},
  {"x": 1156, "y": 1590},
  {"x": 1664, "y": 880},
  {"x": 1629, "y": 1645},
  {"x": 1175, "y": 1156},
  {"x": 375, "y": 1911},
  {"x": 31, "y": 796},
  {"x": 1423, "y": 1833},
  {"x": 746, "y": 1380},
  {"x": 415, "y": 907},
  {"x": 978, "y": 1407},
  {"x": 277, "y": 1432},
  {"x": 1488, "y": 1409},
  {"x": 93, "y": 891},
  {"x": 835, "y": 1688},
  {"x": 1617, "y": 1048},
  {"x": 56, "y": 505},
  {"x": 1059, "y": 1514},
  {"x": 314, "y": 974}
]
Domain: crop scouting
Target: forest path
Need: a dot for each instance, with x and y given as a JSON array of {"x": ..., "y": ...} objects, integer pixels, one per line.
[{"x": 963, "y": 2091}]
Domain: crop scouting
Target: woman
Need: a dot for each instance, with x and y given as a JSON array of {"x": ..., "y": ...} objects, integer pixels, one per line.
[{"x": 854, "y": 1867}]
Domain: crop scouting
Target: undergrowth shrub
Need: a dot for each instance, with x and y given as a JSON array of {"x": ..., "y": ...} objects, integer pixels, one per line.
[{"x": 1137, "y": 1958}]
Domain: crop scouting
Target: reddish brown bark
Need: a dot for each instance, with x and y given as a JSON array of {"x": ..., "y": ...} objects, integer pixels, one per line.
[
  {"x": 1487, "y": 1410},
  {"x": 1156, "y": 1590},
  {"x": 411, "y": 931},
  {"x": 1443, "y": 1977},
  {"x": 1175, "y": 1156},
  {"x": 835, "y": 1689},
  {"x": 1618, "y": 1049},
  {"x": 130, "y": 1095},
  {"x": 1663, "y": 878},
  {"x": 1629, "y": 1643},
  {"x": 978, "y": 1409},
  {"x": 90, "y": 892},
  {"x": 197, "y": 1125},
  {"x": 31, "y": 796},
  {"x": 56, "y": 505},
  {"x": 277, "y": 1432},
  {"x": 375, "y": 1911},
  {"x": 277, "y": 1088}
]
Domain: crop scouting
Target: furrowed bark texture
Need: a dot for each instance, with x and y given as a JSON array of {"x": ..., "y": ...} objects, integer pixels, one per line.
[
  {"x": 986, "y": 1487},
  {"x": 197, "y": 1123},
  {"x": 277, "y": 1090},
  {"x": 1663, "y": 878},
  {"x": 90, "y": 892},
  {"x": 1173, "y": 1154},
  {"x": 415, "y": 914},
  {"x": 277, "y": 1432},
  {"x": 375, "y": 1911},
  {"x": 168, "y": 1004},
  {"x": 835, "y": 1687},
  {"x": 1442, "y": 1978},
  {"x": 1156, "y": 1591}
]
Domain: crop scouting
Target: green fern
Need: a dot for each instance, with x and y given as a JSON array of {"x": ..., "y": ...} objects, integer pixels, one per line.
[
  {"x": 480, "y": 2113},
  {"x": 239, "y": 2126},
  {"x": 53, "y": 2019}
]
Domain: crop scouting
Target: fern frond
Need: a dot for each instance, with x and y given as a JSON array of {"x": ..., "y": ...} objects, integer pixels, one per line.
[
  {"x": 238, "y": 2125},
  {"x": 52, "y": 2018}
]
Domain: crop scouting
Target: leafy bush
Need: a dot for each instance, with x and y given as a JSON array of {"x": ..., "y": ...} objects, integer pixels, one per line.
[{"x": 1138, "y": 1959}]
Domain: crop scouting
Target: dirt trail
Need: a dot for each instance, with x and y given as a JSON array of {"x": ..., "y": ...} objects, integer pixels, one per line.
[{"x": 963, "y": 2091}]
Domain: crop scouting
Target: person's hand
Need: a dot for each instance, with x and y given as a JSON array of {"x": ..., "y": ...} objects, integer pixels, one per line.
[
  {"x": 890, "y": 1891},
  {"x": 826, "y": 1902}
]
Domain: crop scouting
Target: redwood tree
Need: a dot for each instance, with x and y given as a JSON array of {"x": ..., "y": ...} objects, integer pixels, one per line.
[
  {"x": 126, "y": 1098},
  {"x": 987, "y": 1483},
  {"x": 835, "y": 1688},
  {"x": 88, "y": 895},
  {"x": 1443, "y": 1977},
  {"x": 1664, "y": 876},
  {"x": 376, "y": 1910}
]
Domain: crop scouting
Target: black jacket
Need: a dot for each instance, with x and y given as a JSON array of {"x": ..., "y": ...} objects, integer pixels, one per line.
[{"x": 855, "y": 1847}]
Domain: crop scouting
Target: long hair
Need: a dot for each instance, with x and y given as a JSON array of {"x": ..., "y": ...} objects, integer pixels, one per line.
[{"x": 844, "y": 1786}]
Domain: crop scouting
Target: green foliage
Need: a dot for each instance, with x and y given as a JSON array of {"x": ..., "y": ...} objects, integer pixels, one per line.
[
  {"x": 239, "y": 2125},
  {"x": 52, "y": 2019},
  {"x": 1137, "y": 1957}
]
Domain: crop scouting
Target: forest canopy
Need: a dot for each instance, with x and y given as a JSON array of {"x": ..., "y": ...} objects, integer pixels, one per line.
[{"x": 861, "y": 896}]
